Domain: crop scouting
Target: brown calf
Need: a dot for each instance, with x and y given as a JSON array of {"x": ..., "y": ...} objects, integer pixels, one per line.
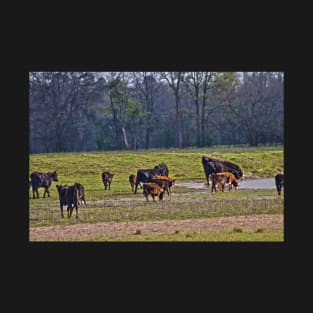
[
  {"x": 154, "y": 190},
  {"x": 230, "y": 179},
  {"x": 171, "y": 181},
  {"x": 132, "y": 181},
  {"x": 218, "y": 182}
]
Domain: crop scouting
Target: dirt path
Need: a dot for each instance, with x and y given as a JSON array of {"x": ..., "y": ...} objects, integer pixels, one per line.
[{"x": 114, "y": 229}]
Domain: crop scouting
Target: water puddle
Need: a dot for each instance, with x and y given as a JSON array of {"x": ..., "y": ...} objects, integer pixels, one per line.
[{"x": 260, "y": 183}]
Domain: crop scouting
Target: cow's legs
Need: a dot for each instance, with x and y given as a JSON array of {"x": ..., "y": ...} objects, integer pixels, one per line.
[
  {"x": 46, "y": 192},
  {"x": 76, "y": 208},
  {"x": 69, "y": 211},
  {"x": 146, "y": 196},
  {"x": 61, "y": 207}
]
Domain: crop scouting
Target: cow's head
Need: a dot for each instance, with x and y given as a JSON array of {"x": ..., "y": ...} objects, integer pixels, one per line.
[
  {"x": 54, "y": 176},
  {"x": 236, "y": 183}
]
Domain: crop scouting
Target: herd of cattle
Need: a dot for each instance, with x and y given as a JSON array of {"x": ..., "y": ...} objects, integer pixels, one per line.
[{"x": 154, "y": 182}]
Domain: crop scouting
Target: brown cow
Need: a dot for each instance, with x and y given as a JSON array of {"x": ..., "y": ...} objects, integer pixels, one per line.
[
  {"x": 107, "y": 179},
  {"x": 230, "y": 179},
  {"x": 171, "y": 181},
  {"x": 218, "y": 182},
  {"x": 154, "y": 190},
  {"x": 132, "y": 181}
]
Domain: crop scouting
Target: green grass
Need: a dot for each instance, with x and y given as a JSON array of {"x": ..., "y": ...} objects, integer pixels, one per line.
[
  {"x": 184, "y": 164},
  {"x": 120, "y": 204},
  {"x": 201, "y": 236}
]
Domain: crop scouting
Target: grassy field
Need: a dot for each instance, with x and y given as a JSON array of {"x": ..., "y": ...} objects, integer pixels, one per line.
[
  {"x": 201, "y": 236},
  {"x": 119, "y": 204}
]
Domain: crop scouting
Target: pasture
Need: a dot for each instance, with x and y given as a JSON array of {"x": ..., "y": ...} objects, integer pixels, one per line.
[{"x": 119, "y": 205}]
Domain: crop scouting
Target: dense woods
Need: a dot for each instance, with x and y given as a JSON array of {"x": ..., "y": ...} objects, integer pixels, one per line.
[{"x": 90, "y": 111}]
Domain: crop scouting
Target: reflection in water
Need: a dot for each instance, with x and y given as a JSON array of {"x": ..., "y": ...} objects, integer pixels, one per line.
[{"x": 260, "y": 183}]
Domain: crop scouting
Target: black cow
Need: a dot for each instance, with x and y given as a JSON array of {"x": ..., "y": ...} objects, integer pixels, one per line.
[
  {"x": 42, "y": 180},
  {"x": 107, "y": 179},
  {"x": 81, "y": 193},
  {"x": 146, "y": 175},
  {"x": 162, "y": 169},
  {"x": 68, "y": 195},
  {"x": 279, "y": 181},
  {"x": 212, "y": 165}
]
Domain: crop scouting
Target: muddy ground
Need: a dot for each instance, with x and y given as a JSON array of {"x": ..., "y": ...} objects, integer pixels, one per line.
[{"x": 113, "y": 230}]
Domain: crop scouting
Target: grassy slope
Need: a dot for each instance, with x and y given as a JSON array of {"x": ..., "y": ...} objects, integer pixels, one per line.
[
  {"x": 86, "y": 168},
  {"x": 183, "y": 165}
]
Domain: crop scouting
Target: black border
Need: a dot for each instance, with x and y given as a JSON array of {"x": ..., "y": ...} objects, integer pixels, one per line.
[{"x": 145, "y": 254}]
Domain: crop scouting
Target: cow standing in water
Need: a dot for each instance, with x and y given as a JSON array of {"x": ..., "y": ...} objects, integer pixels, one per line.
[
  {"x": 279, "y": 182},
  {"x": 212, "y": 165},
  {"x": 107, "y": 179},
  {"x": 42, "y": 180}
]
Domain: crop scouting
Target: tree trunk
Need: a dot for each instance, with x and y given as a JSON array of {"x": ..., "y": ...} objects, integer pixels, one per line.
[
  {"x": 198, "y": 122},
  {"x": 125, "y": 137},
  {"x": 178, "y": 121}
]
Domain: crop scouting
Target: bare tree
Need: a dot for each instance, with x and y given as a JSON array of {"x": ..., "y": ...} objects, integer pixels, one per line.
[
  {"x": 147, "y": 86},
  {"x": 198, "y": 85},
  {"x": 174, "y": 80}
]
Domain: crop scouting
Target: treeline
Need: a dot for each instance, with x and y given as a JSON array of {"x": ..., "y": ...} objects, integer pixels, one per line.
[{"x": 89, "y": 111}]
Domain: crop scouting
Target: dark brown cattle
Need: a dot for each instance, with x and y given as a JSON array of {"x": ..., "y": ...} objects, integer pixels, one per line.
[
  {"x": 81, "y": 193},
  {"x": 132, "y": 181},
  {"x": 42, "y": 180},
  {"x": 279, "y": 182},
  {"x": 154, "y": 190},
  {"x": 68, "y": 195},
  {"x": 107, "y": 179}
]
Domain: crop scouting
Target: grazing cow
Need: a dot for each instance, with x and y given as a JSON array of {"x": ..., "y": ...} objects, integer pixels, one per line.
[
  {"x": 68, "y": 195},
  {"x": 132, "y": 181},
  {"x": 107, "y": 179},
  {"x": 230, "y": 179},
  {"x": 211, "y": 165},
  {"x": 81, "y": 193},
  {"x": 154, "y": 190},
  {"x": 218, "y": 182},
  {"x": 279, "y": 181},
  {"x": 171, "y": 181},
  {"x": 42, "y": 180}
]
